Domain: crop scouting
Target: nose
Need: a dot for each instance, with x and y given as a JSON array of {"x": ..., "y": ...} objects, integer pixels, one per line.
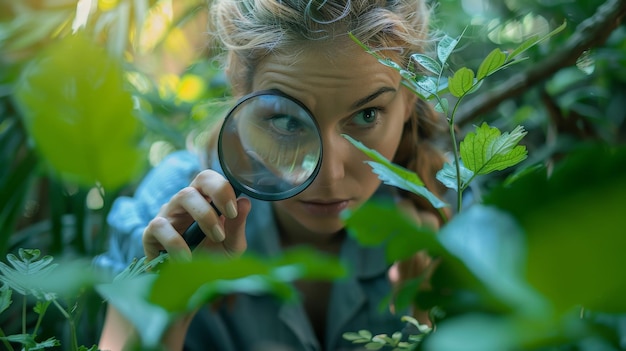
[{"x": 335, "y": 151}]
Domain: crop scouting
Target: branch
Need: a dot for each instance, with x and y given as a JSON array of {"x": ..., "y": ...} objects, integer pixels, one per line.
[{"x": 590, "y": 33}]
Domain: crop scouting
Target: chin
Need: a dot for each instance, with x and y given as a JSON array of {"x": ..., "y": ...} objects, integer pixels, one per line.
[{"x": 323, "y": 227}]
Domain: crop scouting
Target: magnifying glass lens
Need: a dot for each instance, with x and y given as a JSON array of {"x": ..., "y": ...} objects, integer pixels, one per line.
[{"x": 270, "y": 147}]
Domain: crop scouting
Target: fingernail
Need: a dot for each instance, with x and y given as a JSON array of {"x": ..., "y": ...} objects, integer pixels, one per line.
[
  {"x": 231, "y": 209},
  {"x": 217, "y": 234}
]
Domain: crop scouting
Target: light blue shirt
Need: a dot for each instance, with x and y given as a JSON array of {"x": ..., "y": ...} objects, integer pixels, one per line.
[{"x": 251, "y": 323}]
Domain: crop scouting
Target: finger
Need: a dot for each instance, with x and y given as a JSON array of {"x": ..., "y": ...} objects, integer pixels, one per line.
[
  {"x": 235, "y": 240},
  {"x": 218, "y": 190},
  {"x": 192, "y": 202},
  {"x": 236, "y": 243},
  {"x": 160, "y": 235}
]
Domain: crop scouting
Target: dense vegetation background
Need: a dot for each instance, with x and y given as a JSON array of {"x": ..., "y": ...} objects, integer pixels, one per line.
[{"x": 156, "y": 77}]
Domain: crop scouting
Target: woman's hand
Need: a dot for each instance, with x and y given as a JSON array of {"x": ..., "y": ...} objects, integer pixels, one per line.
[{"x": 224, "y": 233}]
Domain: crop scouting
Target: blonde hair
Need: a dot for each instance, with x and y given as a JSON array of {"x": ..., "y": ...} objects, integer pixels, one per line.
[{"x": 249, "y": 30}]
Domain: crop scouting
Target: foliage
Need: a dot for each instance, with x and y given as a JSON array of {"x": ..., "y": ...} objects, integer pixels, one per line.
[
  {"x": 395, "y": 341},
  {"x": 85, "y": 105},
  {"x": 36, "y": 276},
  {"x": 142, "y": 291},
  {"x": 81, "y": 97},
  {"x": 514, "y": 270},
  {"x": 71, "y": 145},
  {"x": 485, "y": 282},
  {"x": 149, "y": 303}
]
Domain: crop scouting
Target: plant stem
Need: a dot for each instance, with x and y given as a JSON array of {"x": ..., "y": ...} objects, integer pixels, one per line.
[
  {"x": 457, "y": 158},
  {"x": 40, "y": 318},
  {"x": 5, "y": 341},
  {"x": 71, "y": 323},
  {"x": 24, "y": 314},
  {"x": 455, "y": 149}
]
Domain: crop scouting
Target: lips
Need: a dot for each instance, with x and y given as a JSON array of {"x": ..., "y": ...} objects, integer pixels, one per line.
[{"x": 325, "y": 208}]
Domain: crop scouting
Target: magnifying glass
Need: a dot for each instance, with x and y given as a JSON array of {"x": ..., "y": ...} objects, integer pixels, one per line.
[{"x": 269, "y": 147}]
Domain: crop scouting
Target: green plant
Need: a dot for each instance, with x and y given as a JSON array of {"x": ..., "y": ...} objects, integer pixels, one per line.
[
  {"x": 488, "y": 288},
  {"x": 31, "y": 276},
  {"x": 397, "y": 341},
  {"x": 469, "y": 283},
  {"x": 482, "y": 152},
  {"x": 149, "y": 303}
]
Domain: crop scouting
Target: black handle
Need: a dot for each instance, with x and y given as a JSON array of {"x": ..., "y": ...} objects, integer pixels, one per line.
[{"x": 193, "y": 235}]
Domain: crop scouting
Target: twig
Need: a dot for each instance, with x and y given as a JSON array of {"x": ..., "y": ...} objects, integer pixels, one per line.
[{"x": 590, "y": 33}]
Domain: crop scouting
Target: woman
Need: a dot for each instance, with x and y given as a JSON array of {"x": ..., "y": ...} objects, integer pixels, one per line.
[{"x": 301, "y": 48}]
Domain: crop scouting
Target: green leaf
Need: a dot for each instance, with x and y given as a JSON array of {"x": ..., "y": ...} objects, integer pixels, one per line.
[
  {"x": 487, "y": 150},
  {"x": 461, "y": 82},
  {"x": 404, "y": 179},
  {"x": 27, "y": 272},
  {"x": 374, "y": 346},
  {"x": 139, "y": 266},
  {"x": 29, "y": 342},
  {"x": 423, "y": 328},
  {"x": 491, "y": 63},
  {"x": 45, "y": 280},
  {"x": 460, "y": 333},
  {"x": 391, "y": 63},
  {"x": 442, "y": 106},
  {"x": 41, "y": 307},
  {"x": 366, "y": 334},
  {"x": 427, "y": 84},
  {"x": 445, "y": 47},
  {"x": 396, "y": 175},
  {"x": 534, "y": 40},
  {"x": 5, "y": 297},
  {"x": 574, "y": 220},
  {"x": 246, "y": 274},
  {"x": 448, "y": 177},
  {"x": 401, "y": 235},
  {"x": 428, "y": 63},
  {"x": 491, "y": 244},
  {"x": 79, "y": 114},
  {"x": 416, "y": 88},
  {"x": 354, "y": 337}
]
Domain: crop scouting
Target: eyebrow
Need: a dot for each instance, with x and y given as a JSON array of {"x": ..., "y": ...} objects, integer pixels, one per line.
[{"x": 372, "y": 96}]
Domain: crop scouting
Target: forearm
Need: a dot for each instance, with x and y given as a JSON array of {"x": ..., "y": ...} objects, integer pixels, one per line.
[{"x": 118, "y": 333}]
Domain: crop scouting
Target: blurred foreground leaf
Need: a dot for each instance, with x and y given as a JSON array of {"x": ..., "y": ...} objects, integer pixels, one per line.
[
  {"x": 400, "y": 235},
  {"x": 79, "y": 115},
  {"x": 395, "y": 175},
  {"x": 150, "y": 303},
  {"x": 207, "y": 277},
  {"x": 575, "y": 227}
]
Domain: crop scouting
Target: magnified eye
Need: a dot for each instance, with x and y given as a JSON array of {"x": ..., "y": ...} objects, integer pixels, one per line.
[
  {"x": 366, "y": 117},
  {"x": 286, "y": 125}
]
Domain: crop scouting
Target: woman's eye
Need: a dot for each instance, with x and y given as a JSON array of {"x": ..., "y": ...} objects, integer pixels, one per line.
[
  {"x": 286, "y": 125},
  {"x": 366, "y": 117}
]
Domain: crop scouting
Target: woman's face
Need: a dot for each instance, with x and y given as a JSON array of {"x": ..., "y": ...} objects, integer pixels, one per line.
[{"x": 348, "y": 93}]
